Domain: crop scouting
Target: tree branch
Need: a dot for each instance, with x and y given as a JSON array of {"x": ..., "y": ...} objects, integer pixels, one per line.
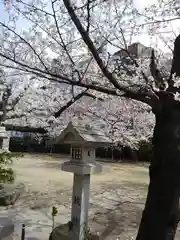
[
  {"x": 70, "y": 82},
  {"x": 15, "y": 116},
  {"x": 156, "y": 73},
  {"x": 30, "y": 69},
  {"x": 73, "y": 100},
  {"x": 99, "y": 61},
  {"x": 33, "y": 21},
  {"x": 90, "y": 44},
  {"x": 65, "y": 80},
  {"x": 68, "y": 104},
  {"x": 17, "y": 99},
  {"x": 35, "y": 8},
  {"x": 88, "y": 16},
  {"x": 28, "y": 44},
  {"x": 128, "y": 53},
  {"x": 59, "y": 33},
  {"x": 92, "y": 96}
]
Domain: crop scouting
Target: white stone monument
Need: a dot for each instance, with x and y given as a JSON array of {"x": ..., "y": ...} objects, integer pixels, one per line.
[{"x": 84, "y": 141}]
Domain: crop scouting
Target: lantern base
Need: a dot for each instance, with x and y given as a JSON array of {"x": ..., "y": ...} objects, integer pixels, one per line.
[
  {"x": 64, "y": 232},
  {"x": 81, "y": 168}
]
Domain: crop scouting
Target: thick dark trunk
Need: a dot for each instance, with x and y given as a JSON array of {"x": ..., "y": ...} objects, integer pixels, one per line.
[
  {"x": 174, "y": 220},
  {"x": 161, "y": 214}
]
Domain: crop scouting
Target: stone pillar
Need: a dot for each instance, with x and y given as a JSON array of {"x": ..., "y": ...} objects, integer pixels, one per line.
[
  {"x": 4, "y": 139},
  {"x": 5, "y": 145},
  {"x": 6, "y": 229},
  {"x": 77, "y": 228},
  {"x": 80, "y": 205}
]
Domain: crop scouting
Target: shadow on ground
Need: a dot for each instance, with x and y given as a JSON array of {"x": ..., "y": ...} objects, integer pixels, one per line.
[
  {"x": 119, "y": 223},
  {"x": 121, "y": 210}
]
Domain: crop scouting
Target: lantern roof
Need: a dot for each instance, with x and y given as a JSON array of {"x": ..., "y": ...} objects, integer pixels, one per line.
[{"x": 82, "y": 134}]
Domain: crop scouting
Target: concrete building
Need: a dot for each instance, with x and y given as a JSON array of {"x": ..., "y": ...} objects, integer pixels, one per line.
[{"x": 136, "y": 50}]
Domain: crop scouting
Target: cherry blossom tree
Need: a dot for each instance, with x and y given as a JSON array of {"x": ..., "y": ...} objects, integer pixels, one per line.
[
  {"x": 12, "y": 91},
  {"x": 66, "y": 43}
]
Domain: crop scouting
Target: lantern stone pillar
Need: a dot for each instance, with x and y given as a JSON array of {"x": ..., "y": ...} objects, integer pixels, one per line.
[
  {"x": 4, "y": 139},
  {"x": 82, "y": 171},
  {"x": 83, "y": 140},
  {"x": 80, "y": 205}
]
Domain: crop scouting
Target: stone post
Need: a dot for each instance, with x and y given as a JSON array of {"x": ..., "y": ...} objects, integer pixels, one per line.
[
  {"x": 4, "y": 139},
  {"x": 5, "y": 145},
  {"x": 80, "y": 205},
  {"x": 6, "y": 229}
]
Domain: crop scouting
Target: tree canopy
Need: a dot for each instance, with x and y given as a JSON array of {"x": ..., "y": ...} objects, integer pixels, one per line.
[
  {"x": 66, "y": 46},
  {"x": 84, "y": 34}
]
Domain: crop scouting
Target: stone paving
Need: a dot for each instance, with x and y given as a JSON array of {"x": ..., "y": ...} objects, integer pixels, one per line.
[
  {"x": 116, "y": 199},
  {"x": 106, "y": 209},
  {"x": 114, "y": 217},
  {"x": 39, "y": 224}
]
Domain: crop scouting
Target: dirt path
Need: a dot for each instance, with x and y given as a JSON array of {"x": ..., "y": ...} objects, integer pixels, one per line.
[
  {"x": 46, "y": 182},
  {"x": 116, "y": 199}
]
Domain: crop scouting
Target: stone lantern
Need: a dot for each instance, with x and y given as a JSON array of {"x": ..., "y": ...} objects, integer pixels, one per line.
[
  {"x": 4, "y": 139},
  {"x": 4, "y": 136},
  {"x": 2, "y": 90},
  {"x": 83, "y": 140}
]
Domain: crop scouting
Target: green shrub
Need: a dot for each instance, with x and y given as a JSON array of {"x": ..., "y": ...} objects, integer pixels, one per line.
[
  {"x": 7, "y": 174},
  {"x": 17, "y": 154},
  {"x": 53, "y": 214}
]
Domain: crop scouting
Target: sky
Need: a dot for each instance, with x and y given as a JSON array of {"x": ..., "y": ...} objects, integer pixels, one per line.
[
  {"x": 143, "y": 3},
  {"x": 3, "y": 13},
  {"x": 144, "y": 39},
  {"x": 155, "y": 41}
]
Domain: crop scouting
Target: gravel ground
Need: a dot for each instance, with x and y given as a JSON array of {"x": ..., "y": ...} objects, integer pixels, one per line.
[{"x": 117, "y": 198}]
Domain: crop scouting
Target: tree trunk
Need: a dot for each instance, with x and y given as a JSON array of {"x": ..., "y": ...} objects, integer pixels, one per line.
[{"x": 161, "y": 214}]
